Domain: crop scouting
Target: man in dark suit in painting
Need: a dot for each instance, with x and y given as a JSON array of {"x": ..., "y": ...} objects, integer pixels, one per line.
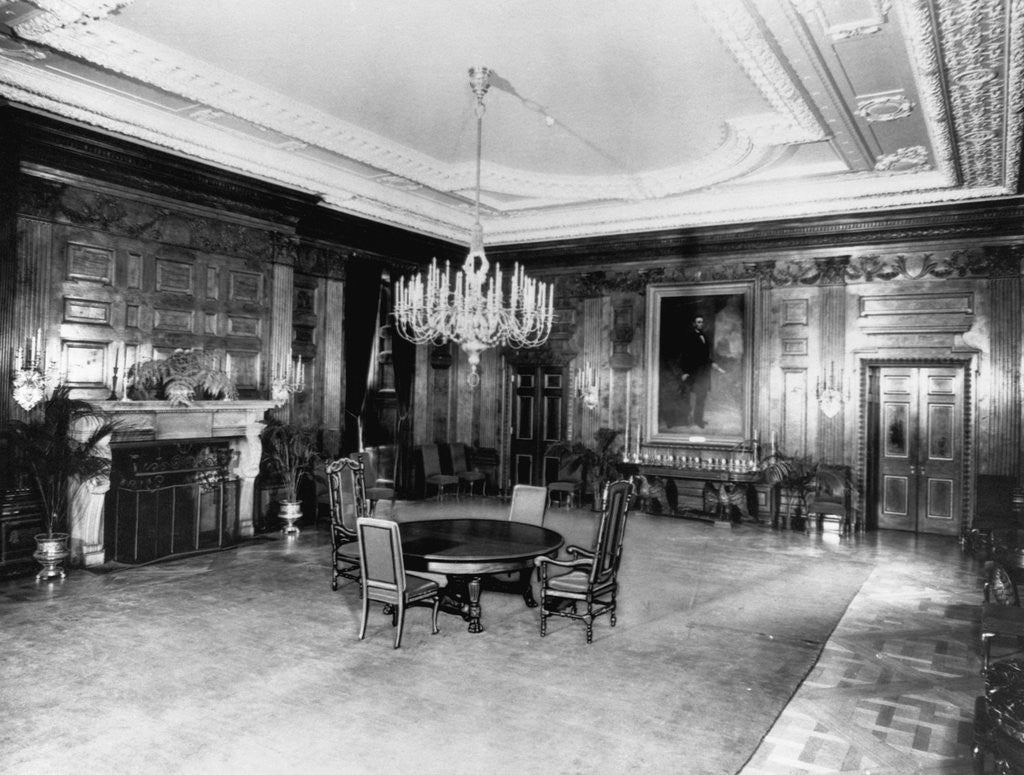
[{"x": 695, "y": 365}]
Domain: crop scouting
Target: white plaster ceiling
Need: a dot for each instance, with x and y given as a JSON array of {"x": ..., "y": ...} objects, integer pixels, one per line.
[{"x": 604, "y": 116}]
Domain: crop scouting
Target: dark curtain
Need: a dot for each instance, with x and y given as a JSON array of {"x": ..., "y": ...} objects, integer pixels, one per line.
[
  {"x": 362, "y": 295},
  {"x": 403, "y": 354}
]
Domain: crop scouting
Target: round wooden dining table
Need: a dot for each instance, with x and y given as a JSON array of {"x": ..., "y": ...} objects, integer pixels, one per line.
[{"x": 466, "y": 550}]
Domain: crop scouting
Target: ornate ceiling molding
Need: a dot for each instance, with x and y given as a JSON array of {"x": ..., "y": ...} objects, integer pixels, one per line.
[
  {"x": 973, "y": 35},
  {"x": 793, "y": 120},
  {"x": 749, "y": 145},
  {"x": 972, "y": 48}
]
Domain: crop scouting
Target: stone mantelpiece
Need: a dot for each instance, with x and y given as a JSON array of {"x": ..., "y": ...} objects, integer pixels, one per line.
[{"x": 238, "y": 422}]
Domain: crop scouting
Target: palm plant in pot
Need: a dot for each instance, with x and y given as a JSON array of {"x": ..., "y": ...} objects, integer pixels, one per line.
[
  {"x": 56, "y": 454},
  {"x": 799, "y": 478},
  {"x": 289, "y": 453},
  {"x": 596, "y": 465}
]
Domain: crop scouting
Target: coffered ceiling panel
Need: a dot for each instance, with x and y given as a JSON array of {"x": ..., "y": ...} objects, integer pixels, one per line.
[{"x": 603, "y": 116}]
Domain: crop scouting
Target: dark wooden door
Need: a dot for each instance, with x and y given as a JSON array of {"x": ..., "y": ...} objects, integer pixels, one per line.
[
  {"x": 538, "y": 421},
  {"x": 920, "y": 473}
]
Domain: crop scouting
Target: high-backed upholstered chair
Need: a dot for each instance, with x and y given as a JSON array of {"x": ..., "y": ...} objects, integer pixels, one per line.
[
  {"x": 378, "y": 475},
  {"x": 529, "y": 504},
  {"x": 433, "y": 476},
  {"x": 384, "y": 577},
  {"x": 348, "y": 503},
  {"x": 460, "y": 467},
  {"x": 590, "y": 578}
]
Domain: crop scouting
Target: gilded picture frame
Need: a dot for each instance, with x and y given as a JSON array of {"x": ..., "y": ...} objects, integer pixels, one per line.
[{"x": 712, "y": 405}]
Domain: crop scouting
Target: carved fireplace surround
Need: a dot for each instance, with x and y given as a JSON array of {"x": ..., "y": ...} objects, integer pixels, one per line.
[{"x": 238, "y": 422}]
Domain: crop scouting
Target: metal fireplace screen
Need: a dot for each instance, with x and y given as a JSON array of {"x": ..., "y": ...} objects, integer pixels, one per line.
[{"x": 170, "y": 500}]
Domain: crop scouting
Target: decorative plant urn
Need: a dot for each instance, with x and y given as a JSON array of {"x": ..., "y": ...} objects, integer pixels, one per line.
[
  {"x": 291, "y": 512},
  {"x": 51, "y": 551}
]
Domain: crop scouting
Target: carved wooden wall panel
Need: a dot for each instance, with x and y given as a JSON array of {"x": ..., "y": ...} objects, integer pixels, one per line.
[
  {"x": 152, "y": 298},
  {"x": 1003, "y": 433}
]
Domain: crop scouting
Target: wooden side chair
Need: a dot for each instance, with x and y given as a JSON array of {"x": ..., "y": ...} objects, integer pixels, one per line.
[
  {"x": 379, "y": 467},
  {"x": 348, "y": 503},
  {"x": 567, "y": 485},
  {"x": 590, "y": 578},
  {"x": 460, "y": 467},
  {"x": 433, "y": 476},
  {"x": 529, "y": 504},
  {"x": 385, "y": 579}
]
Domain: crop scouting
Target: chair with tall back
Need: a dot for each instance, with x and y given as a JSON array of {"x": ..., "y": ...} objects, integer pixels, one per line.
[
  {"x": 590, "y": 578},
  {"x": 379, "y": 467},
  {"x": 460, "y": 467},
  {"x": 433, "y": 476},
  {"x": 348, "y": 503},
  {"x": 529, "y": 504},
  {"x": 385, "y": 579}
]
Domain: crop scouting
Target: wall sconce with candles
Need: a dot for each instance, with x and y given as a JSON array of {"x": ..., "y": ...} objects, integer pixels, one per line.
[
  {"x": 287, "y": 380},
  {"x": 830, "y": 393},
  {"x": 586, "y": 387},
  {"x": 32, "y": 375}
]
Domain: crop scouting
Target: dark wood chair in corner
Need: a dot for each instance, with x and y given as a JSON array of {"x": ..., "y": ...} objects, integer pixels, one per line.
[
  {"x": 568, "y": 484},
  {"x": 433, "y": 476},
  {"x": 385, "y": 579},
  {"x": 591, "y": 577},
  {"x": 348, "y": 504},
  {"x": 468, "y": 475},
  {"x": 833, "y": 496},
  {"x": 379, "y": 470}
]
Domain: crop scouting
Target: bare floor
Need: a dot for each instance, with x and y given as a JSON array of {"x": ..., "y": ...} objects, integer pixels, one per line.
[{"x": 736, "y": 650}]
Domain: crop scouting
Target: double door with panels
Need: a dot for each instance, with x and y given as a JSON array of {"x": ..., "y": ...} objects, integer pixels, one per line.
[{"x": 920, "y": 448}]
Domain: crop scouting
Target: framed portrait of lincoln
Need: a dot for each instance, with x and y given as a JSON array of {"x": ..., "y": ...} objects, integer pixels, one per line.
[{"x": 699, "y": 363}]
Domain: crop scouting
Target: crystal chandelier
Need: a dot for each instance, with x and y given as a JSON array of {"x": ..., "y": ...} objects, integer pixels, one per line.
[{"x": 471, "y": 307}]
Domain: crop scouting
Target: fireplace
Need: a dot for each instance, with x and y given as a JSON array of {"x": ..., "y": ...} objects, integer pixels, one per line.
[
  {"x": 182, "y": 481},
  {"x": 170, "y": 499}
]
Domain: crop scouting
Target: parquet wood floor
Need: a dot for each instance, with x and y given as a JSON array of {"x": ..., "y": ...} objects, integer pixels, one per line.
[{"x": 893, "y": 691}]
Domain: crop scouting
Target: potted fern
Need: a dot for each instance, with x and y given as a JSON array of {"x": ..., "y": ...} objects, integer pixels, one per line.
[
  {"x": 290, "y": 454},
  {"x": 57, "y": 453},
  {"x": 183, "y": 377}
]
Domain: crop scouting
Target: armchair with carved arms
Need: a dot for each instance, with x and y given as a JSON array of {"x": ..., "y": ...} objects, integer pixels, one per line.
[{"x": 590, "y": 578}]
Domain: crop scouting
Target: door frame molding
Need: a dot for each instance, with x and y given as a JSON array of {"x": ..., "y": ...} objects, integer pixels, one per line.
[{"x": 867, "y": 414}]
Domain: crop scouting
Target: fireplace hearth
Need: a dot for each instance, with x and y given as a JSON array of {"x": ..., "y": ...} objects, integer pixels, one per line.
[{"x": 183, "y": 480}]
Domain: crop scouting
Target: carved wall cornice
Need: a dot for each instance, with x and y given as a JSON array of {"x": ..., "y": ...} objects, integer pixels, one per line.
[
  {"x": 996, "y": 261},
  {"x": 988, "y": 222},
  {"x": 58, "y": 202}
]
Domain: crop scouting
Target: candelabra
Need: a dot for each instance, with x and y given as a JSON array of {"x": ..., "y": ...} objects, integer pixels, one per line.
[
  {"x": 32, "y": 375},
  {"x": 586, "y": 387},
  {"x": 287, "y": 380},
  {"x": 830, "y": 393}
]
